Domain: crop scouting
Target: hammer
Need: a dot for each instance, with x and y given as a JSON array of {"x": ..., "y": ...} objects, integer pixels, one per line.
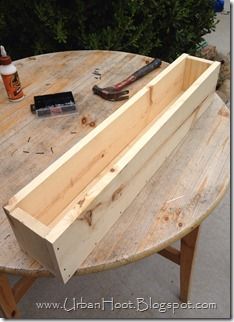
[{"x": 115, "y": 93}]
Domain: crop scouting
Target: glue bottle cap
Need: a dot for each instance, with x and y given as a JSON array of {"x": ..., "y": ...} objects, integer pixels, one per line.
[{"x": 4, "y": 58}]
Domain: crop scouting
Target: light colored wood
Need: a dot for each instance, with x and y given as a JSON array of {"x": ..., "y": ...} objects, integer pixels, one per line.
[
  {"x": 131, "y": 118},
  {"x": 203, "y": 60},
  {"x": 95, "y": 151},
  {"x": 199, "y": 177},
  {"x": 111, "y": 203},
  {"x": 171, "y": 253},
  {"x": 186, "y": 194},
  {"x": 188, "y": 247},
  {"x": 7, "y": 300},
  {"x": 110, "y": 192},
  {"x": 193, "y": 71},
  {"x": 32, "y": 238},
  {"x": 22, "y": 286}
]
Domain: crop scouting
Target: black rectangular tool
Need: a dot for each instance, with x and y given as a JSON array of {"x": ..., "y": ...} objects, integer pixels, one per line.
[{"x": 53, "y": 104}]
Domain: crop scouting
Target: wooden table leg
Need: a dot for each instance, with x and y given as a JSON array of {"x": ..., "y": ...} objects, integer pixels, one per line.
[
  {"x": 10, "y": 296},
  {"x": 22, "y": 286},
  {"x": 188, "y": 246},
  {"x": 7, "y": 300}
]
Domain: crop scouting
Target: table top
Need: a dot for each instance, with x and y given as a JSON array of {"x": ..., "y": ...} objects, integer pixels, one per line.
[{"x": 181, "y": 194}]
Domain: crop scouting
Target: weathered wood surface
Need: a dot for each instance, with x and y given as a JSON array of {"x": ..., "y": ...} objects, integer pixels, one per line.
[{"x": 183, "y": 192}]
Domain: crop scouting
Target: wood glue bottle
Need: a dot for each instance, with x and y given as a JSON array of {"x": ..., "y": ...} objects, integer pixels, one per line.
[{"x": 10, "y": 77}]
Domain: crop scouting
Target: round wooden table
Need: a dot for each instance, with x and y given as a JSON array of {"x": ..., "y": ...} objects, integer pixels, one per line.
[{"x": 182, "y": 193}]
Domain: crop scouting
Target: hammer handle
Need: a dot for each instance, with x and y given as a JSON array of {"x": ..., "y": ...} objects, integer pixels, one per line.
[{"x": 139, "y": 73}]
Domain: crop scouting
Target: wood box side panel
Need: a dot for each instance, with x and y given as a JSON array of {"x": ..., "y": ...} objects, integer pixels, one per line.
[
  {"x": 89, "y": 229},
  {"x": 193, "y": 69},
  {"x": 96, "y": 151},
  {"x": 167, "y": 123},
  {"x": 31, "y": 238},
  {"x": 169, "y": 86}
]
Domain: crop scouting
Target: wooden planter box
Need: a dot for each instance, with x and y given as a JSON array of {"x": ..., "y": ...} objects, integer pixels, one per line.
[{"x": 61, "y": 215}]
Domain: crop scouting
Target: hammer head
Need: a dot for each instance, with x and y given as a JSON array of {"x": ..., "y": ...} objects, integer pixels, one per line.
[{"x": 110, "y": 93}]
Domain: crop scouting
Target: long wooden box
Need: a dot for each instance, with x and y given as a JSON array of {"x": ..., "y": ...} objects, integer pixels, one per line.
[{"x": 61, "y": 215}]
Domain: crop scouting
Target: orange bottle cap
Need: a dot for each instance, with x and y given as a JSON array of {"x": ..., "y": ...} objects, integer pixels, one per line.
[{"x": 5, "y": 60}]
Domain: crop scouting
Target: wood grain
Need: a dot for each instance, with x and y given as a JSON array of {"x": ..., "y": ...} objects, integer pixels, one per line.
[
  {"x": 188, "y": 186},
  {"x": 188, "y": 249},
  {"x": 21, "y": 287},
  {"x": 171, "y": 253},
  {"x": 84, "y": 173},
  {"x": 7, "y": 300}
]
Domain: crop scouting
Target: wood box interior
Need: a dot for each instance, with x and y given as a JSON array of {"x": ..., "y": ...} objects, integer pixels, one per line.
[{"x": 52, "y": 197}]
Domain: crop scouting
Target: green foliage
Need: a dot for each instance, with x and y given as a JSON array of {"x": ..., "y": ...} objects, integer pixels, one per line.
[{"x": 158, "y": 28}]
